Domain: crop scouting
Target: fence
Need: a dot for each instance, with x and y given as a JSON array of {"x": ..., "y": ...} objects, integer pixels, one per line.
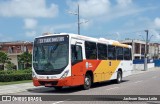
[
  {"x": 141, "y": 61},
  {"x": 156, "y": 62}
]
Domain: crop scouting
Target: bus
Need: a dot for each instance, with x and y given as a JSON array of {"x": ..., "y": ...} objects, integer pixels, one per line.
[{"x": 66, "y": 59}]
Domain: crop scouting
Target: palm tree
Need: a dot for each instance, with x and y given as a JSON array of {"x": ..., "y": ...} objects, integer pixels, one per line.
[
  {"x": 4, "y": 58},
  {"x": 25, "y": 59}
]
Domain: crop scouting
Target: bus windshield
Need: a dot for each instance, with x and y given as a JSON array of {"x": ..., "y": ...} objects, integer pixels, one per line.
[{"x": 50, "y": 55}]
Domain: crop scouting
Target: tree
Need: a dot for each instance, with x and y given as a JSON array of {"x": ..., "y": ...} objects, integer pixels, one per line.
[
  {"x": 25, "y": 59},
  {"x": 10, "y": 66},
  {"x": 4, "y": 58}
]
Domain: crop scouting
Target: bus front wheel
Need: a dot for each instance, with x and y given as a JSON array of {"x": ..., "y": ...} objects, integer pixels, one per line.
[{"x": 87, "y": 82}]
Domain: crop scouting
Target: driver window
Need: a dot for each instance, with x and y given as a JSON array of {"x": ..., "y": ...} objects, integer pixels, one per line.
[{"x": 76, "y": 53}]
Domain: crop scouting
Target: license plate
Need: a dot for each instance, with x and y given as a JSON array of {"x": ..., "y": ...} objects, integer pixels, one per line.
[{"x": 48, "y": 84}]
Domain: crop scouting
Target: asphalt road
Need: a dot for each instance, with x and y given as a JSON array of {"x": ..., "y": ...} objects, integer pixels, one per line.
[{"x": 147, "y": 83}]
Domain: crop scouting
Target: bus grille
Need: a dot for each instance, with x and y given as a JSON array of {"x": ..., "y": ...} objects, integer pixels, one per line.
[{"x": 48, "y": 82}]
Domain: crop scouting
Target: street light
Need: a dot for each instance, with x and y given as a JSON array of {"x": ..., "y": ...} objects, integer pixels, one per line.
[
  {"x": 77, "y": 13},
  {"x": 146, "y": 51}
]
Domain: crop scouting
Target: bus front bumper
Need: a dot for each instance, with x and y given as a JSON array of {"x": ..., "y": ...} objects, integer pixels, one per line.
[{"x": 52, "y": 82}]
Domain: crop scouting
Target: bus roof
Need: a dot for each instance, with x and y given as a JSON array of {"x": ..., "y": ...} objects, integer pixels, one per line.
[{"x": 86, "y": 38}]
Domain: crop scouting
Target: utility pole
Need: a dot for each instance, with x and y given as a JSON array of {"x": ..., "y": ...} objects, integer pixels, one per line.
[
  {"x": 78, "y": 21},
  {"x": 78, "y": 18},
  {"x": 146, "y": 52}
]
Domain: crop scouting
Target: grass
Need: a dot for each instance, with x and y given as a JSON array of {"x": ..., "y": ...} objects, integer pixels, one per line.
[{"x": 14, "y": 82}]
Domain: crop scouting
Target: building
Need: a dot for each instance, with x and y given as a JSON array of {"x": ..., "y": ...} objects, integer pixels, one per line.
[
  {"x": 154, "y": 51},
  {"x": 13, "y": 49},
  {"x": 138, "y": 49}
]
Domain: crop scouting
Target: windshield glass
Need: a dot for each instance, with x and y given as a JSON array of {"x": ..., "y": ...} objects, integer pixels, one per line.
[{"x": 50, "y": 55}]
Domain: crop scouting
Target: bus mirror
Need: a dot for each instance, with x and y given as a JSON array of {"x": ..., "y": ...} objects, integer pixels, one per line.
[{"x": 77, "y": 48}]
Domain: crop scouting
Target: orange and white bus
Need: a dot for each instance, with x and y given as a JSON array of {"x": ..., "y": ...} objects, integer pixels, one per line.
[{"x": 71, "y": 60}]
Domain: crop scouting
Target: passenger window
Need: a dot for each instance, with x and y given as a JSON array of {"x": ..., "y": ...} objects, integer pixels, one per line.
[
  {"x": 91, "y": 50},
  {"x": 127, "y": 54},
  {"x": 119, "y": 52},
  {"x": 111, "y": 52},
  {"x": 102, "y": 51}
]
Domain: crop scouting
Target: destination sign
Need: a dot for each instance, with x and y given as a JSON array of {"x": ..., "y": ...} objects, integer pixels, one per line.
[{"x": 51, "y": 39}]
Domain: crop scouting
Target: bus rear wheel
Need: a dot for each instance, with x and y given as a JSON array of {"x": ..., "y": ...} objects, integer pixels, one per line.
[
  {"x": 87, "y": 82},
  {"x": 119, "y": 77}
]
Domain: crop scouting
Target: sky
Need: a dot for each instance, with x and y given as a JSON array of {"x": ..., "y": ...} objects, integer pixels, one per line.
[{"x": 23, "y": 20}]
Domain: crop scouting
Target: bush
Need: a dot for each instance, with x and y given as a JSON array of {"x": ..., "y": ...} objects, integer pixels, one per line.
[
  {"x": 15, "y": 71},
  {"x": 15, "y": 75},
  {"x": 6, "y": 72}
]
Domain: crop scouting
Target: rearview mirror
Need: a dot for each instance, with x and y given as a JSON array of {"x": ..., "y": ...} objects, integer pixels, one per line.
[{"x": 77, "y": 48}]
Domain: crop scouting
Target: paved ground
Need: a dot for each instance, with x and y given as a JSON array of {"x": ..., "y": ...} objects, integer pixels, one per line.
[
  {"x": 140, "y": 83},
  {"x": 8, "y": 89}
]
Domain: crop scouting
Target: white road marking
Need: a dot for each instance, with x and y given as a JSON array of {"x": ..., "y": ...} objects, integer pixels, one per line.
[
  {"x": 112, "y": 88},
  {"x": 60, "y": 101},
  {"x": 138, "y": 81}
]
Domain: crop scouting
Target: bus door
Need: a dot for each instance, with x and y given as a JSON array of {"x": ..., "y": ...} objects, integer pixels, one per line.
[{"x": 77, "y": 65}]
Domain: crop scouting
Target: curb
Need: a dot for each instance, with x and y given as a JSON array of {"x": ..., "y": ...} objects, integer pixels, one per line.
[{"x": 142, "y": 71}]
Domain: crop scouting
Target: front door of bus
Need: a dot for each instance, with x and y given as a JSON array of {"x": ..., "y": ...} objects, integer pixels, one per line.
[{"x": 77, "y": 62}]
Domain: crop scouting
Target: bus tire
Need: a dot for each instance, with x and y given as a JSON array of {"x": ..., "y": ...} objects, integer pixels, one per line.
[
  {"x": 119, "y": 77},
  {"x": 57, "y": 87},
  {"x": 87, "y": 82}
]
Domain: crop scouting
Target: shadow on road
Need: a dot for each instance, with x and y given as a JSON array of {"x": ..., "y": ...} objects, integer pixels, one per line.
[
  {"x": 106, "y": 83},
  {"x": 51, "y": 90}
]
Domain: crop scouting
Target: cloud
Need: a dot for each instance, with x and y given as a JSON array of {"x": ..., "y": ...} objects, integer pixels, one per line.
[
  {"x": 27, "y": 8},
  {"x": 30, "y": 23},
  {"x": 157, "y": 22},
  {"x": 85, "y": 23},
  {"x": 57, "y": 28},
  {"x": 155, "y": 35},
  {"x": 90, "y": 8},
  {"x": 30, "y": 33},
  {"x": 135, "y": 29},
  {"x": 101, "y": 11},
  {"x": 124, "y": 3},
  {"x": 103, "y": 8}
]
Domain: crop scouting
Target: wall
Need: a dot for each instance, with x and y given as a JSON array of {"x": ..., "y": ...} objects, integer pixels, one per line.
[
  {"x": 141, "y": 66},
  {"x": 157, "y": 62}
]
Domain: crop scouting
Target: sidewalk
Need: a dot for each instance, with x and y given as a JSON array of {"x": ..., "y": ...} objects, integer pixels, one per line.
[
  {"x": 14, "y": 88},
  {"x": 142, "y": 71}
]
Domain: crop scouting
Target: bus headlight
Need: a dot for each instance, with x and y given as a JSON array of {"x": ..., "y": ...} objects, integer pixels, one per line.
[{"x": 65, "y": 74}]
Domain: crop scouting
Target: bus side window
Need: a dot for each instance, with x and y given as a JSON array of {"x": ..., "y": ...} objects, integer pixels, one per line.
[
  {"x": 76, "y": 54},
  {"x": 127, "y": 54},
  {"x": 102, "y": 51},
  {"x": 119, "y": 52},
  {"x": 91, "y": 50},
  {"x": 111, "y": 52}
]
